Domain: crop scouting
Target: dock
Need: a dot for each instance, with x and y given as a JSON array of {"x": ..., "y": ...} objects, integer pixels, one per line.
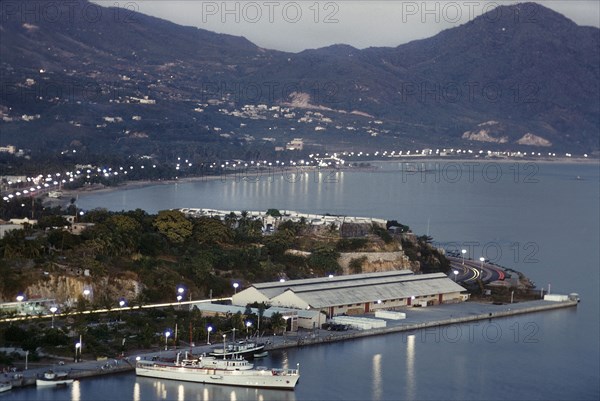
[{"x": 417, "y": 318}]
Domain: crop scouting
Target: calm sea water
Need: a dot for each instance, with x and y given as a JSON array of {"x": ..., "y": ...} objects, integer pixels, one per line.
[{"x": 541, "y": 219}]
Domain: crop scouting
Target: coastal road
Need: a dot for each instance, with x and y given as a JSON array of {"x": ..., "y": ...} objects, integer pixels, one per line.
[{"x": 471, "y": 271}]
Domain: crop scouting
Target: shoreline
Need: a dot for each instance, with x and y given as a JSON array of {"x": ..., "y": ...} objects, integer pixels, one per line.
[
  {"x": 421, "y": 319},
  {"x": 233, "y": 175}
]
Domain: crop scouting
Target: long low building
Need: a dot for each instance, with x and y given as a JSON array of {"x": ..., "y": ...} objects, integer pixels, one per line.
[
  {"x": 356, "y": 293},
  {"x": 294, "y": 318}
]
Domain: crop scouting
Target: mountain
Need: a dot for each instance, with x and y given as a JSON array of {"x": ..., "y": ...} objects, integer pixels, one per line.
[{"x": 94, "y": 78}]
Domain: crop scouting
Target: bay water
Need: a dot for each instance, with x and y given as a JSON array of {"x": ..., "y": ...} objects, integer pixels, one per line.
[{"x": 542, "y": 219}]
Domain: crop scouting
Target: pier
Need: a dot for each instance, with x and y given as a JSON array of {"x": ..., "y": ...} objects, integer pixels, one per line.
[{"x": 417, "y": 318}]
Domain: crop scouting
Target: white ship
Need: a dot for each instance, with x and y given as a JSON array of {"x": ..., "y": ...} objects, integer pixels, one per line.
[
  {"x": 51, "y": 378},
  {"x": 5, "y": 387},
  {"x": 244, "y": 349},
  {"x": 208, "y": 369}
]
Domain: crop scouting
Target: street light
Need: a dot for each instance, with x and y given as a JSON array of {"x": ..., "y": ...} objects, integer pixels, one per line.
[
  {"x": 179, "y": 298},
  {"x": 481, "y": 259},
  {"x": 235, "y": 287},
  {"x": 78, "y": 350},
  {"x": 208, "y": 329},
  {"x": 248, "y": 324},
  {"x": 53, "y": 309},
  {"x": 455, "y": 275},
  {"x": 167, "y": 335},
  {"x": 20, "y": 298},
  {"x": 463, "y": 255}
]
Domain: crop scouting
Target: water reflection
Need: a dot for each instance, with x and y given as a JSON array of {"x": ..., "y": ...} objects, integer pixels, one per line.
[
  {"x": 75, "y": 391},
  {"x": 410, "y": 367},
  {"x": 180, "y": 393},
  {"x": 377, "y": 377},
  {"x": 136, "y": 392}
]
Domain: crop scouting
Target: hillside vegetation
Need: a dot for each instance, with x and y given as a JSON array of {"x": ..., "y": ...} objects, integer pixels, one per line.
[{"x": 145, "y": 258}]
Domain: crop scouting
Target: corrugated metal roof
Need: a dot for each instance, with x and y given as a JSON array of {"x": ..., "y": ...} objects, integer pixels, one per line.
[
  {"x": 367, "y": 291},
  {"x": 274, "y": 288}
]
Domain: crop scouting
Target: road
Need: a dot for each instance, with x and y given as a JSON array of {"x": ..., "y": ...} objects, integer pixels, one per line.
[{"x": 469, "y": 271}]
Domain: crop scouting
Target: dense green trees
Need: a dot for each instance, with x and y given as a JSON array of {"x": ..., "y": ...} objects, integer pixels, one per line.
[
  {"x": 174, "y": 225},
  {"x": 205, "y": 254}
]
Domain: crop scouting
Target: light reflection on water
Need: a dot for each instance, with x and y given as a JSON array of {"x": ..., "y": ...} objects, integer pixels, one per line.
[
  {"x": 136, "y": 392},
  {"x": 75, "y": 391},
  {"x": 377, "y": 377},
  {"x": 410, "y": 366}
]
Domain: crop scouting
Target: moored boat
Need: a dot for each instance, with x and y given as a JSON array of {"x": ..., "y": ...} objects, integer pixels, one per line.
[
  {"x": 51, "y": 378},
  {"x": 211, "y": 370},
  {"x": 244, "y": 349},
  {"x": 55, "y": 194},
  {"x": 5, "y": 387}
]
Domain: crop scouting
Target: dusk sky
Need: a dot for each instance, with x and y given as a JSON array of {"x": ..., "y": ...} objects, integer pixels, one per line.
[{"x": 298, "y": 25}]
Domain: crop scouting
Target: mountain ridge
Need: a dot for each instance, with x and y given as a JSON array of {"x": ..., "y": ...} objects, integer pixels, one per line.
[{"x": 535, "y": 73}]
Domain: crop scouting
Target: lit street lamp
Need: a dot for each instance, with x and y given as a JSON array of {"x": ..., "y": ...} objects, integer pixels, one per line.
[
  {"x": 235, "y": 287},
  {"x": 179, "y": 298},
  {"x": 121, "y": 305},
  {"x": 53, "y": 309},
  {"x": 481, "y": 259},
  {"x": 463, "y": 255},
  {"x": 455, "y": 275},
  {"x": 248, "y": 324},
  {"x": 21, "y": 298},
  {"x": 208, "y": 329},
  {"x": 167, "y": 335},
  {"x": 78, "y": 347}
]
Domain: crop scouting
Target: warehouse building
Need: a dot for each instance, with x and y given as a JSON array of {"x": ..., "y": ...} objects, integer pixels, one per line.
[
  {"x": 294, "y": 318},
  {"x": 356, "y": 293}
]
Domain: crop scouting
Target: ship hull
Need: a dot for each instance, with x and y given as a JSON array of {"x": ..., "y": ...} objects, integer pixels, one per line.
[
  {"x": 247, "y": 378},
  {"x": 51, "y": 383}
]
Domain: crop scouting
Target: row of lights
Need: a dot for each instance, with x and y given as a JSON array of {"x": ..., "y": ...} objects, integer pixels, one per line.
[{"x": 463, "y": 252}]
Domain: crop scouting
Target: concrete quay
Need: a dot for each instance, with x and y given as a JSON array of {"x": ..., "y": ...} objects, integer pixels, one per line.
[
  {"x": 417, "y": 318},
  {"x": 422, "y": 318}
]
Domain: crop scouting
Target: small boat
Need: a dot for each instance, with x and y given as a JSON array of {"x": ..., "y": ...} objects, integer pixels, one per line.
[
  {"x": 244, "y": 349},
  {"x": 208, "y": 369},
  {"x": 51, "y": 378},
  {"x": 261, "y": 354},
  {"x": 55, "y": 194},
  {"x": 5, "y": 387}
]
